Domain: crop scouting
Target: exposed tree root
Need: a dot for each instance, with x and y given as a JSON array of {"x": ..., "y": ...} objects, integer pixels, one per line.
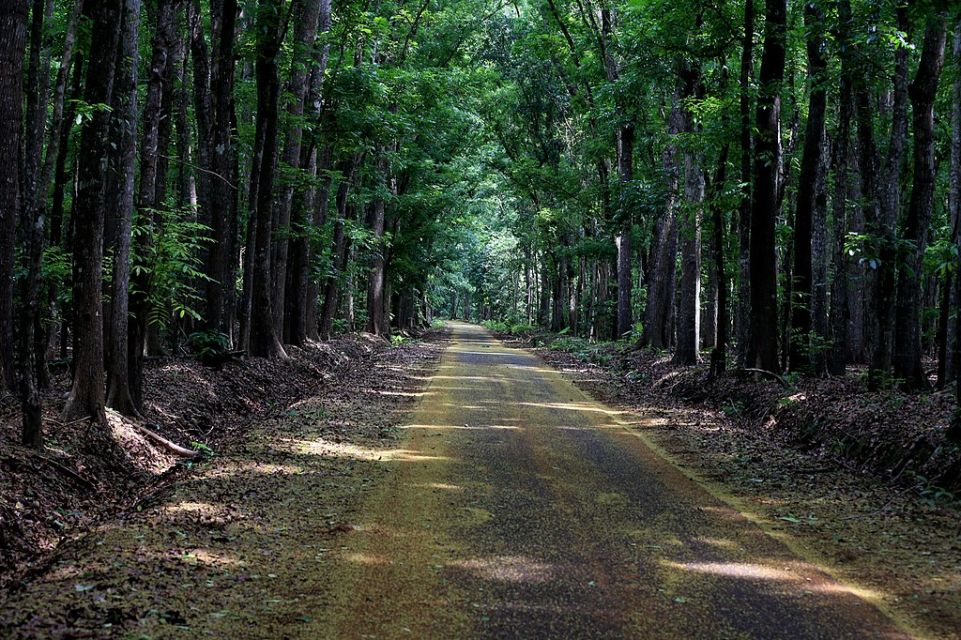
[{"x": 168, "y": 446}]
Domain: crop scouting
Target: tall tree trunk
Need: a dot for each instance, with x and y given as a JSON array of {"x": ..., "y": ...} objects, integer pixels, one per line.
[
  {"x": 339, "y": 248},
  {"x": 87, "y": 396},
  {"x": 800, "y": 343},
  {"x": 264, "y": 341},
  {"x": 31, "y": 352},
  {"x": 719, "y": 353},
  {"x": 954, "y": 432},
  {"x": 125, "y": 156},
  {"x": 763, "y": 346},
  {"x": 658, "y": 315},
  {"x": 306, "y": 14},
  {"x": 220, "y": 202},
  {"x": 141, "y": 284},
  {"x": 13, "y": 36},
  {"x": 922, "y": 92},
  {"x": 321, "y": 205},
  {"x": 625, "y": 171},
  {"x": 689, "y": 300},
  {"x": 953, "y": 336},
  {"x": 376, "y": 279},
  {"x": 742, "y": 314}
]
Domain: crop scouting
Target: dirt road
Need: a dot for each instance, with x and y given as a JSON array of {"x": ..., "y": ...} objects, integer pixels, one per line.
[
  {"x": 521, "y": 508},
  {"x": 512, "y": 506}
]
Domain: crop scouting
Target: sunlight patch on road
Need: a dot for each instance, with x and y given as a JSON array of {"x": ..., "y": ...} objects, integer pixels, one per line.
[
  {"x": 442, "y": 486},
  {"x": 807, "y": 578},
  {"x": 517, "y": 569},
  {"x": 476, "y": 378},
  {"x": 368, "y": 559},
  {"x": 573, "y": 406},
  {"x": 211, "y": 558},
  {"x": 328, "y": 449},
  {"x": 227, "y": 469},
  {"x": 464, "y": 427},
  {"x": 405, "y": 394},
  {"x": 744, "y": 570}
]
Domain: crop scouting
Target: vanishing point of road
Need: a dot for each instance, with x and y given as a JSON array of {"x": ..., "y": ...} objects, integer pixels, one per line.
[{"x": 521, "y": 508}]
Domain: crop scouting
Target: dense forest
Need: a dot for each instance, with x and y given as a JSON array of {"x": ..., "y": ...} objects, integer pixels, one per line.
[{"x": 772, "y": 186}]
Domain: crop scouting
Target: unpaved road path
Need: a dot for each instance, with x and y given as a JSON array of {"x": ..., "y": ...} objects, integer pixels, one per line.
[
  {"x": 513, "y": 506},
  {"x": 523, "y": 509}
]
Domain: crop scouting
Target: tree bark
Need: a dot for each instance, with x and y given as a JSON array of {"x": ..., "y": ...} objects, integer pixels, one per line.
[
  {"x": 922, "y": 93},
  {"x": 87, "y": 398},
  {"x": 264, "y": 341},
  {"x": 339, "y": 248},
  {"x": 719, "y": 353},
  {"x": 31, "y": 352},
  {"x": 306, "y": 14},
  {"x": 953, "y": 335},
  {"x": 376, "y": 280},
  {"x": 141, "y": 285},
  {"x": 800, "y": 342},
  {"x": 122, "y": 200},
  {"x": 742, "y": 312},
  {"x": 13, "y": 36},
  {"x": 763, "y": 346},
  {"x": 658, "y": 315},
  {"x": 220, "y": 195}
]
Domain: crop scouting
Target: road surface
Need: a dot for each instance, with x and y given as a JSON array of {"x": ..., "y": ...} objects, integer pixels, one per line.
[{"x": 521, "y": 508}]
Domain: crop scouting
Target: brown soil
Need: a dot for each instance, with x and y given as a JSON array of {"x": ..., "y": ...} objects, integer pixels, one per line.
[{"x": 86, "y": 474}]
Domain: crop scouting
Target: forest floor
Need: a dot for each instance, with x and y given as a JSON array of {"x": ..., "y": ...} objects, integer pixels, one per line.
[
  {"x": 487, "y": 496},
  {"x": 86, "y": 474},
  {"x": 839, "y": 474},
  {"x": 504, "y": 503}
]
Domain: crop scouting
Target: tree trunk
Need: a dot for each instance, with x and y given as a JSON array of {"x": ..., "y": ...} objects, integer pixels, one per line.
[
  {"x": 339, "y": 248},
  {"x": 625, "y": 170},
  {"x": 658, "y": 315},
  {"x": 321, "y": 204},
  {"x": 125, "y": 158},
  {"x": 952, "y": 336},
  {"x": 376, "y": 279},
  {"x": 922, "y": 93},
  {"x": 141, "y": 285},
  {"x": 689, "y": 299},
  {"x": 13, "y": 36},
  {"x": 264, "y": 341},
  {"x": 742, "y": 313},
  {"x": 763, "y": 346},
  {"x": 306, "y": 14},
  {"x": 799, "y": 336},
  {"x": 719, "y": 353},
  {"x": 87, "y": 393},
  {"x": 31, "y": 352},
  {"x": 220, "y": 201}
]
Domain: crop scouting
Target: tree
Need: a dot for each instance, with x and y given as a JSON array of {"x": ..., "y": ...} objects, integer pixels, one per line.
[
  {"x": 271, "y": 24},
  {"x": 806, "y": 190},
  {"x": 922, "y": 92},
  {"x": 13, "y": 34},
  {"x": 763, "y": 345},
  {"x": 87, "y": 398},
  {"x": 123, "y": 171}
]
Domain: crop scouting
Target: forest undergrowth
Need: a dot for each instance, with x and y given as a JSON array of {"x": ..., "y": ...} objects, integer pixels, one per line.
[
  {"x": 86, "y": 475},
  {"x": 866, "y": 482}
]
